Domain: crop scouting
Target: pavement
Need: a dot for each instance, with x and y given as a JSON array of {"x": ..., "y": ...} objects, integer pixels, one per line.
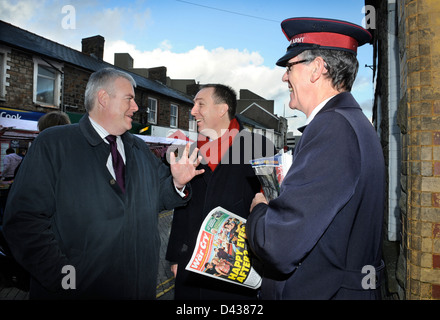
[{"x": 165, "y": 279}]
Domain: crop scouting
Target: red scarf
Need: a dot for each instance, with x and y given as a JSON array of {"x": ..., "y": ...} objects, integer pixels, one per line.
[{"x": 210, "y": 149}]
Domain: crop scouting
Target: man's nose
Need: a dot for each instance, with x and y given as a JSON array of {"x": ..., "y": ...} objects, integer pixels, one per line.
[
  {"x": 134, "y": 105},
  {"x": 194, "y": 110}
]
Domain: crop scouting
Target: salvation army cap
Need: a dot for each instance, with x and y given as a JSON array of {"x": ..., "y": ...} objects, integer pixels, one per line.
[{"x": 318, "y": 33}]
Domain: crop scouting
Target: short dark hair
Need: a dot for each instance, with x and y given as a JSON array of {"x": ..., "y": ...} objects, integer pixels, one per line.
[
  {"x": 224, "y": 94},
  {"x": 342, "y": 66},
  {"x": 54, "y": 118}
]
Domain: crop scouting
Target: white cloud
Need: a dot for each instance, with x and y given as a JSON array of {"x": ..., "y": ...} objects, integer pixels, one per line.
[
  {"x": 362, "y": 85},
  {"x": 363, "y": 92},
  {"x": 46, "y": 17},
  {"x": 18, "y": 13},
  {"x": 239, "y": 69},
  {"x": 165, "y": 45}
]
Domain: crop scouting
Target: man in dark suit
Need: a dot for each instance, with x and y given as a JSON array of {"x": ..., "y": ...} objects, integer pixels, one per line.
[
  {"x": 229, "y": 181},
  {"x": 321, "y": 238},
  {"x": 83, "y": 227}
]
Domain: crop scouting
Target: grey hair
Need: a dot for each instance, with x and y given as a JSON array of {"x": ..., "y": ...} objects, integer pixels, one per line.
[
  {"x": 342, "y": 66},
  {"x": 103, "y": 79}
]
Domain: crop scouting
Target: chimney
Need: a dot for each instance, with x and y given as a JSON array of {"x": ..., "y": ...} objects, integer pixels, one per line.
[
  {"x": 124, "y": 61},
  {"x": 158, "y": 74},
  {"x": 93, "y": 46}
]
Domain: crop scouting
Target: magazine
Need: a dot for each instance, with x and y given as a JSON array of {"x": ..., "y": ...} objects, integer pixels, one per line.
[
  {"x": 222, "y": 251},
  {"x": 271, "y": 172}
]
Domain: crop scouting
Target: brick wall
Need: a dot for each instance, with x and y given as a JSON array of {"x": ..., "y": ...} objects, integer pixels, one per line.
[
  {"x": 420, "y": 104},
  {"x": 75, "y": 82},
  {"x": 19, "y": 92},
  {"x": 164, "y": 113}
]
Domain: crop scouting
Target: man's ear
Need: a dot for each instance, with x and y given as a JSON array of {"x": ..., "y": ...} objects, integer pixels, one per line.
[
  {"x": 319, "y": 69},
  {"x": 102, "y": 98},
  {"x": 223, "y": 109}
]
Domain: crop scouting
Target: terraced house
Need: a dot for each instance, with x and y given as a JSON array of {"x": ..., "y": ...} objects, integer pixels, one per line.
[{"x": 38, "y": 75}]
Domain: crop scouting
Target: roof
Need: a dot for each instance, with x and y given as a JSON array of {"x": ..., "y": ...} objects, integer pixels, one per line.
[
  {"x": 25, "y": 40},
  {"x": 250, "y": 122},
  {"x": 252, "y": 105}
]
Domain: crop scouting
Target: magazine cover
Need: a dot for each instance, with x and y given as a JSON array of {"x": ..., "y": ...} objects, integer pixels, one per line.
[
  {"x": 222, "y": 250},
  {"x": 271, "y": 172}
]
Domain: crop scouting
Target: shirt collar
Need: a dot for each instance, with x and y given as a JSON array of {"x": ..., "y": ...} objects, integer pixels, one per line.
[
  {"x": 316, "y": 110},
  {"x": 99, "y": 129}
]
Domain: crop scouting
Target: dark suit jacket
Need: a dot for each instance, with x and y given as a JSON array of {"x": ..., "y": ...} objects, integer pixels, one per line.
[
  {"x": 65, "y": 208},
  {"x": 232, "y": 185},
  {"x": 325, "y": 226}
]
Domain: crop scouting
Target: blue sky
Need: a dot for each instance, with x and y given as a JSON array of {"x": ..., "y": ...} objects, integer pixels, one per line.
[{"x": 232, "y": 42}]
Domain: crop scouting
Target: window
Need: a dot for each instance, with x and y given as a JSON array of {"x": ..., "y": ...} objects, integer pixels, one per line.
[
  {"x": 192, "y": 122},
  {"x": 152, "y": 110},
  {"x": 173, "y": 116},
  {"x": 47, "y": 83}
]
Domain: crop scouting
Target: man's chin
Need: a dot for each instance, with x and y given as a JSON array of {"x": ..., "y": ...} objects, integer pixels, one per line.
[{"x": 210, "y": 133}]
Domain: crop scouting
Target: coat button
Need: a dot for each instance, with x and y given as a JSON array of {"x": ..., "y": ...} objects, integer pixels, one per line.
[{"x": 112, "y": 182}]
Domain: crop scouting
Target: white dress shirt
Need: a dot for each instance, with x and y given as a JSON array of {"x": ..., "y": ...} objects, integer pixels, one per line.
[
  {"x": 316, "y": 110},
  {"x": 103, "y": 133}
]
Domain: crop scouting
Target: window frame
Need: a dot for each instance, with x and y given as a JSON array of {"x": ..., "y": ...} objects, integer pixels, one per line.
[
  {"x": 55, "y": 67},
  {"x": 150, "y": 111},
  {"x": 192, "y": 122},
  {"x": 176, "y": 116}
]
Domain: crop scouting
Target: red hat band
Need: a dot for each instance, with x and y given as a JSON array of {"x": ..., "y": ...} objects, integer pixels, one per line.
[{"x": 326, "y": 39}]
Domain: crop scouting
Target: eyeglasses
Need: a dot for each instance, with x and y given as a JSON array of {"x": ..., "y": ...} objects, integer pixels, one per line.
[{"x": 289, "y": 65}]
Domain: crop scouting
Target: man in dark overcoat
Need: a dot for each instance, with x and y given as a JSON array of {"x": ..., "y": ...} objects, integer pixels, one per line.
[
  {"x": 229, "y": 181},
  {"x": 322, "y": 237},
  {"x": 82, "y": 228}
]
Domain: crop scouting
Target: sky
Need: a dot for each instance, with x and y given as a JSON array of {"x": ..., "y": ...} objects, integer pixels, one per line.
[{"x": 234, "y": 42}]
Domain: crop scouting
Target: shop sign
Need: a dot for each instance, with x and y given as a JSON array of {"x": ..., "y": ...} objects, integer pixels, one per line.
[
  {"x": 15, "y": 144},
  {"x": 20, "y": 114}
]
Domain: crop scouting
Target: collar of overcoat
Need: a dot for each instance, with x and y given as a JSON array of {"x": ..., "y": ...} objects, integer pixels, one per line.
[
  {"x": 342, "y": 100},
  {"x": 93, "y": 137}
]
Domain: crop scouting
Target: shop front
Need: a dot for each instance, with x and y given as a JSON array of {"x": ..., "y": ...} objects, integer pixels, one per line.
[{"x": 18, "y": 128}]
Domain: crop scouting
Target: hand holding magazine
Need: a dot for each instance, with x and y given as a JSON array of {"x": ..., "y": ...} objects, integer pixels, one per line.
[
  {"x": 222, "y": 251},
  {"x": 271, "y": 172}
]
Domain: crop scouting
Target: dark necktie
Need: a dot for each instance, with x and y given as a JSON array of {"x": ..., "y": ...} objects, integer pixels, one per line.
[{"x": 118, "y": 163}]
